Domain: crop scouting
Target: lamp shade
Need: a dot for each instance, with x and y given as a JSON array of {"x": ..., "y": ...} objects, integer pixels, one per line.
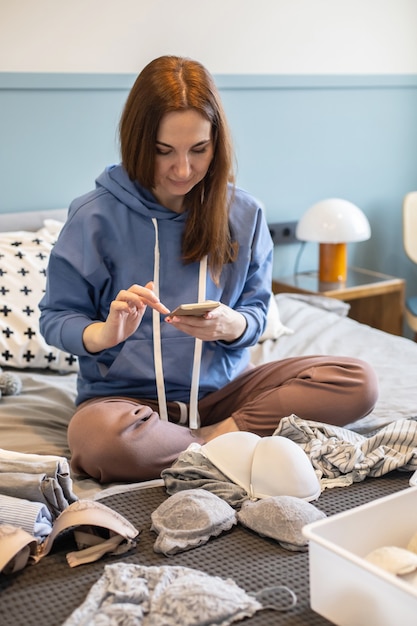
[{"x": 333, "y": 221}]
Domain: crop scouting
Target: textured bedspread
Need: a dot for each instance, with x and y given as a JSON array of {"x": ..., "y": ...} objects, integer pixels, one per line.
[{"x": 48, "y": 593}]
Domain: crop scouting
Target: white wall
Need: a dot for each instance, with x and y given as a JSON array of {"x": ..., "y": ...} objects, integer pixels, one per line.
[{"x": 228, "y": 36}]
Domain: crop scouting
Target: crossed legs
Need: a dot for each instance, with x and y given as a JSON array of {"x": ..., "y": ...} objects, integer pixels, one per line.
[{"x": 123, "y": 439}]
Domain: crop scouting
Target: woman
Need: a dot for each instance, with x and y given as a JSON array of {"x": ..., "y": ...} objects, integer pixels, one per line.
[{"x": 165, "y": 227}]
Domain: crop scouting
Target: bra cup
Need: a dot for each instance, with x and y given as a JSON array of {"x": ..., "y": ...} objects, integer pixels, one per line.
[
  {"x": 16, "y": 546},
  {"x": 281, "y": 468},
  {"x": 232, "y": 454},
  {"x": 89, "y": 513},
  {"x": 264, "y": 466}
]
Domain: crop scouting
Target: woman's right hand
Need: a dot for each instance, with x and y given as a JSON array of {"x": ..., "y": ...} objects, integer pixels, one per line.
[{"x": 125, "y": 315}]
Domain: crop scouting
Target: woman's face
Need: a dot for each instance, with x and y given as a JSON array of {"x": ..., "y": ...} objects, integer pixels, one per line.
[{"x": 184, "y": 150}]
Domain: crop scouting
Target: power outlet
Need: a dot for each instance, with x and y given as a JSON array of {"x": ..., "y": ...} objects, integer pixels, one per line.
[{"x": 283, "y": 232}]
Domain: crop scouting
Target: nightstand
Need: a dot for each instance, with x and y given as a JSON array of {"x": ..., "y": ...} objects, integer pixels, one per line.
[{"x": 375, "y": 299}]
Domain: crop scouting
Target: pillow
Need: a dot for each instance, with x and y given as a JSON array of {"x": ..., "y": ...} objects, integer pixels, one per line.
[
  {"x": 274, "y": 327},
  {"x": 24, "y": 258}
]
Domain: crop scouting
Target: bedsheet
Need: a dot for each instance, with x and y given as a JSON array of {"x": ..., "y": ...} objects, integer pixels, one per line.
[{"x": 36, "y": 420}]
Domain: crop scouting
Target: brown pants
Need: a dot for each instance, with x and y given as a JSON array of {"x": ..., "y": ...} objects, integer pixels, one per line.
[{"x": 117, "y": 439}]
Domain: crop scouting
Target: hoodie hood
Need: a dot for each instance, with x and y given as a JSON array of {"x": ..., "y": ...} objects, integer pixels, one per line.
[{"x": 116, "y": 181}]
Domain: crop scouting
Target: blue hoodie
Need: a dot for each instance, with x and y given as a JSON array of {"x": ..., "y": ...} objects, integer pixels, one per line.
[{"x": 108, "y": 244}]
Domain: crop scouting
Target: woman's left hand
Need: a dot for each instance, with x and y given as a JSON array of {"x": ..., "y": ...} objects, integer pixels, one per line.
[{"x": 221, "y": 324}]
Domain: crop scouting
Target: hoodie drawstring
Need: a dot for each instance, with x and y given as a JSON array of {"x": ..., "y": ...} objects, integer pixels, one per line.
[
  {"x": 194, "y": 418},
  {"x": 156, "y": 326}
]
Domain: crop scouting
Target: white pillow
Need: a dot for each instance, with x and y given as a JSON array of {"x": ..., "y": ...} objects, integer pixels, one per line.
[
  {"x": 24, "y": 258},
  {"x": 274, "y": 327}
]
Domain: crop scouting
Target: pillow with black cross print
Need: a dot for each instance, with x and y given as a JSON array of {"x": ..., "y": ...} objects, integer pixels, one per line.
[{"x": 24, "y": 258}]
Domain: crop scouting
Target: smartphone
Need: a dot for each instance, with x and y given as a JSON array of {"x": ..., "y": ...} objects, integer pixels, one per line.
[{"x": 195, "y": 308}]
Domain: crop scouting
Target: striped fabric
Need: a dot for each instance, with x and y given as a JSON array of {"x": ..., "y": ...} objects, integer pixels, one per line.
[
  {"x": 33, "y": 517},
  {"x": 341, "y": 456}
]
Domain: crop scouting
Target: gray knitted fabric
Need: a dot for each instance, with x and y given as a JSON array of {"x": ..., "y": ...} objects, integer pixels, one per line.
[
  {"x": 188, "y": 519},
  {"x": 192, "y": 470},
  {"x": 281, "y": 518},
  {"x": 162, "y": 596}
]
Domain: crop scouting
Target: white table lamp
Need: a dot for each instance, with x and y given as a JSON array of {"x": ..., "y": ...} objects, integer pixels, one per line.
[{"x": 333, "y": 223}]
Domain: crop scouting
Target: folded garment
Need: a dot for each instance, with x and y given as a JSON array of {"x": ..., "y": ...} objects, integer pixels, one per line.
[
  {"x": 34, "y": 517},
  {"x": 343, "y": 457},
  {"x": 38, "y": 478}
]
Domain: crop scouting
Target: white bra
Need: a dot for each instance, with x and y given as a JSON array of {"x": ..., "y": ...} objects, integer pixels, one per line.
[{"x": 264, "y": 466}]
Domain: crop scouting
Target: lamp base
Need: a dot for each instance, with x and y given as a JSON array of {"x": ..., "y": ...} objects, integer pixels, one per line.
[{"x": 332, "y": 262}]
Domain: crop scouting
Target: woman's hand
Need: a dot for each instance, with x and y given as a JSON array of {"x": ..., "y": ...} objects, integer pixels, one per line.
[
  {"x": 125, "y": 315},
  {"x": 221, "y": 324}
]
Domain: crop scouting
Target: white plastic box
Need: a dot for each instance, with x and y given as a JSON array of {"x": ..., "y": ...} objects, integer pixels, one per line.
[{"x": 344, "y": 587}]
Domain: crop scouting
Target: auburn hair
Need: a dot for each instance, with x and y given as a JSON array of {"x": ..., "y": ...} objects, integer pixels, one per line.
[{"x": 167, "y": 84}]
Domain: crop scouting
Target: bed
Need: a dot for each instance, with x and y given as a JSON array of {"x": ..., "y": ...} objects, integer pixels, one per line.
[{"x": 35, "y": 420}]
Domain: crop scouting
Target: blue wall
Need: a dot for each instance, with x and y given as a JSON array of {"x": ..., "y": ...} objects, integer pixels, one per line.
[{"x": 298, "y": 139}]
